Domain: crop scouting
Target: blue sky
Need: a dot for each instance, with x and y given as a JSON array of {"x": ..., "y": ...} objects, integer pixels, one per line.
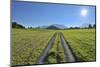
[{"x": 39, "y": 14}]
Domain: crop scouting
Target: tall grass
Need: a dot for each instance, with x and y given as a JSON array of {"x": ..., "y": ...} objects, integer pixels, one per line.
[
  {"x": 28, "y": 44},
  {"x": 82, "y": 43}
]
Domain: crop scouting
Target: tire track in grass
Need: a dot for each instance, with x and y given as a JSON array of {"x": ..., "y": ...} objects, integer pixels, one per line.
[
  {"x": 69, "y": 57},
  {"x": 56, "y": 53},
  {"x": 44, "y": 54}
]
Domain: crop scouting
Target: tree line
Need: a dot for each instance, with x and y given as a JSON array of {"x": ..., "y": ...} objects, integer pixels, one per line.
[
  {"x": 92, "y": 26},
  {"x": 88, "y": 27},
  {"x": 16, "y": 25}
]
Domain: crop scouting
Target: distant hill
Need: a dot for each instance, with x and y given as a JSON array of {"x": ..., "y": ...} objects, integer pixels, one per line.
[
  {"x": 56, "y": 26},
  {"x": 59, "y": 26},
  {"x": 53, "y": 26}
]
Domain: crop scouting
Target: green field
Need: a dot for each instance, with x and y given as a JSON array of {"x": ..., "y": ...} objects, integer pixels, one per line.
[
  {"x": 82, "y": 43},
  {"x": 27, "y": 45}
]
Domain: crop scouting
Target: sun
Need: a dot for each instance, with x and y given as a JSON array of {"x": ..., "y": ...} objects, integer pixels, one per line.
[{"x": 84, "y": 12}]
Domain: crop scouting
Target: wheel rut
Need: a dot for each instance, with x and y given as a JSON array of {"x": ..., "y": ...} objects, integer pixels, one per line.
[
  {"x": 44, "y": 54},
  {"x": 68, "y": 55}
]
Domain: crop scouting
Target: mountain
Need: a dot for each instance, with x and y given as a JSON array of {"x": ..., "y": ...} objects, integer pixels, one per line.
[
  {"x": 53, "y": 26},
  {"x": 56, "y": 26},
  {"x": 60, "y": 26}
]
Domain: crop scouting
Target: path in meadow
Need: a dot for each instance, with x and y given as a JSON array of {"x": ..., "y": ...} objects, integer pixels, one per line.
[
  {"x": 44, "y": 54},
  {"x": 69, "y": 57}
]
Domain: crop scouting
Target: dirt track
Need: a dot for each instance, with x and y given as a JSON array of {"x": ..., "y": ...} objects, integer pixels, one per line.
[
  {"x": 46, "y": 50},
  {"x": 67, "y": 52}
]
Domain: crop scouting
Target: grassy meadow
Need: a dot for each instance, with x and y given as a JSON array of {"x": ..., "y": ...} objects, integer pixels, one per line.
[
  {"x": 27, "y": 45},
  {"x": 82, "y": 42}
]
